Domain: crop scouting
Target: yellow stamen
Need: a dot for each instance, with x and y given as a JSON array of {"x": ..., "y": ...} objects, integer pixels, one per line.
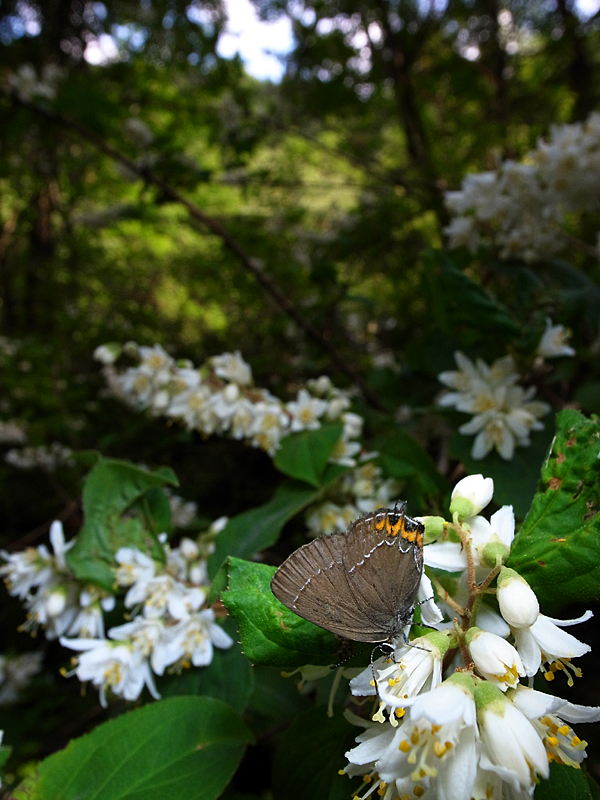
[{"x": 404, "y": 746}]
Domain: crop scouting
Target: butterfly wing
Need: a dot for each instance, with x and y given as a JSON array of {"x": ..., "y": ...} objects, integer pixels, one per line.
[
  {"x": 384, "y": 572},
  {"x": 312, "y": 583}
]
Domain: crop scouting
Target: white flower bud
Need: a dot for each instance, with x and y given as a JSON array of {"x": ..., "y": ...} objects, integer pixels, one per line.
[
  {"x": 56, "y": 603},
  {"x": 231, "y": 392},
  {"x": 518, "y": 604},
  {"x": 495, "y": 658},
  {"x": 189, "y": 549},
  {"x": 471, "y": 495}
]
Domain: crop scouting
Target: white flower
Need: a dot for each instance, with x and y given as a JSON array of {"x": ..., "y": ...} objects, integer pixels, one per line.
[
  {"x": 547, "y": 714},
  {"x": 327, "y": 518},
  {"x": 190, "y": 642},
  {"x": 495, "y": 658},
  {"x": 504, "y": 414},
  {"x": 306, "y": 411},
  {"x": 545, "y": 643},
  {"x": 26, "y": 569},
  {"x": 182, "y": 512},
  {"x": 135, "y": 569},
  {"x": 511, "y": 746},
  {"x": 143, "y": 634},
  {"x": 343, "y": 453},
  {"x": 433, "y": 751},
  {"x": 412, "y": 669},
  {"x": 553, "y": 343},
  {"x": 232, "y": 367},
  {"x": 471, "y": 495},
  {"x": 107, "y": 353},
  {"x": 12, "y": 432},
  {"x": 269, "y": 425},
  {"x": 114, "y": 666},
  {"x": 521, "y": 207},
  {"x": 518, "y": 604}
]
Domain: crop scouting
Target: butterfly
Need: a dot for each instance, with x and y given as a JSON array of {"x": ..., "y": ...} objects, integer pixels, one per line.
[{"x": 360, "y": 584}]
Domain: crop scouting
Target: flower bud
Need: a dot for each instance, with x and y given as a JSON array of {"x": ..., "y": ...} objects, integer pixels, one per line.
[
  {"x": 494, "y": 553},
  {"x": 471, "y": 495},
  {"x": 107, "y": 353},
  {"x": 56, "y": 602},
  {"x": 231, "y": 392},
  {"x": 518, "y": 604},
  {"x": 434, "y": 528},
  {"x": 495, "y": 658},
  {"x": 189, "y": 548}
]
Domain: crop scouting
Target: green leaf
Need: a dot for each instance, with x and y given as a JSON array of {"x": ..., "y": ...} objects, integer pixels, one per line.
[
  {"x": 252, "y": 531},
  {"x": 515, "y": 481},
  {"x": 5, "y": 752},
  {"x": 558, "y": 547},
  {"x": 457, "y": 300},
  {"x": 276, "y": 697},
  {"x": 311, "y": 753},
  {"x": 111, "y": 489},
  {"x": 271, "y": 634},
  {"x": 183, "y": 748},
  {"x": 304, "y": 455},
  {"x": 565, "y": 783},
  {"x": 402, "y": 457},
  {"x": 228, "y": 677}
]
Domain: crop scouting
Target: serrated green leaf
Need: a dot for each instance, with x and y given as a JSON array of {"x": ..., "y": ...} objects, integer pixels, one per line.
[
  {"x": 183, "y": 748},
  {"x": 304, "y": 455},
  {"x": 271, "y": 634},
  {"x": 252, "y": 531},
  {"x": 565, "y": 783},
  {"x": 310, "y": 755},
  {"x": 112, "y": 488},
  {"x": 558, "y": 547}
]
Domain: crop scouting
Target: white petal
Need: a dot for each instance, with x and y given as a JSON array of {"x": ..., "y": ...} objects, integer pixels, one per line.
[
  {"x": 430, "y": 613},
  {"x": 503, "y": 524},
  {"x": 529, "y": 650},
  {"x": 565, "y": 623},
  {"x": 490, "y": 620},
  {"x": 555, "y": 641},
  {"x": 449, "y": 556}
]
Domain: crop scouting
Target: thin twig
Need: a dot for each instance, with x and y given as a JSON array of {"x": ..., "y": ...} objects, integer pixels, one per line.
[{"x": 250, "y": 264}]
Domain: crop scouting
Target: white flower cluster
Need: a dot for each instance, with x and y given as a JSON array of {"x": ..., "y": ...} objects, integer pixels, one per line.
[
  {"x": 169, "y": 627},
  {"x": 15, "y": 673},
  {"x": 48, "y": 457},
  {"x": 12, "y": 432},
  {"x": 521, "y": 207},
  {"x": 504, "y": 413},
  {"x": 219, "y": 398},
  {"x": 183, "y": 512},
  {"x": 53, "y": 598},
  {"x": 477, "y": 732},
  {"x": 361, "y": 490},
  {"x": 28, "y": 86}
]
